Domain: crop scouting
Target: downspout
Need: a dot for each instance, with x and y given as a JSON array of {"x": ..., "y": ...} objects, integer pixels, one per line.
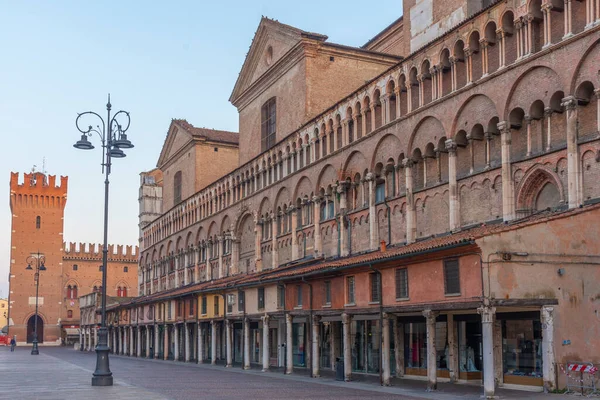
[
  {"x": 310, "y": 319},
  {"x": 380, "y": 323},
  {"x": 349, "y": 233},
  {"x": 224, "y": 326},
  {"x": 389, "y": 221},
  {"x": 198, "y": 338},
  {"x": 339, "y": 239}
]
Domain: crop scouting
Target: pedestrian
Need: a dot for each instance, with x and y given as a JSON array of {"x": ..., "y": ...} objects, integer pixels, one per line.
[{"x": 13, "y": 343}]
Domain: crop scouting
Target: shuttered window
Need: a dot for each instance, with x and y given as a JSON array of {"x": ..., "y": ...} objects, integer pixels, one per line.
[
  {"x": 350, "y": 289},
  {"x": 327, "y": 292},
  {"x": 241, "y": 299},
  {"x": 451, "y": 277},
  {"x": 204, "y": 305},
  {"x": 401, "y": 283},
  {"x": 261, "y": 298},
  {"x": 375, "y": 280},
  {"x": 299, "y": 295},
  {"x": 268, "y": 124}
]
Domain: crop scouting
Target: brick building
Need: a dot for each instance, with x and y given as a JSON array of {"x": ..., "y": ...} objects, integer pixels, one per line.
[
  {"x": 422, "y": 206},
  {"x": 72, "y": 270}
]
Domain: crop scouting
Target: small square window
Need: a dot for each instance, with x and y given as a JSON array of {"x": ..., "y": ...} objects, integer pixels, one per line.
[
  {"x": 451, "y": 277},
  {"x": 125, "y": 269},
  {"x": 216, "y": 149},
  {"x": 74, "y": 267},
  {"x": 350, "y": 289}
]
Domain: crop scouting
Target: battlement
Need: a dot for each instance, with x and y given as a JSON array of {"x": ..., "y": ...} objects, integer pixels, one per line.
[
  {"x": 93, "y": 251},
  {"x": 38, "y": 183}
]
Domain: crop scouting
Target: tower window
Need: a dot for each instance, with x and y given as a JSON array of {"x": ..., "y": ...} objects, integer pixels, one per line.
[
  {"x": 177, "y": 188},
  {"x": 268, "y": 124},
  {"x": 38, "y": 222},
  {"x": 74, "y": 267},
  {"x": 69, "y": 313},
  {"x": 125, "y": 269}
]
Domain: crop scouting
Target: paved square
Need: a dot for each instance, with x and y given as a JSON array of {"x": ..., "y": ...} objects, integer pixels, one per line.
[{"x": 63, "y": 373}]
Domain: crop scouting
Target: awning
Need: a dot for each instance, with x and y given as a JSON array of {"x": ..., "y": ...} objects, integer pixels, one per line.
[{"x": 72, "y": 331}]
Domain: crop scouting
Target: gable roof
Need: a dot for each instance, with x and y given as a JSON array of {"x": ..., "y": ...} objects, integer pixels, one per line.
[
  {"x": 195, "y": 134},
  {"x": 267, "y": 27}
]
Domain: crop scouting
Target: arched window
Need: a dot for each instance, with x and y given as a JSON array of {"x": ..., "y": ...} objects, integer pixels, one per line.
[
  {"x": 95, "y": 289},
  {"x": 124, "y": 292},
  {"x": 38, "y": 222},
  {"x": 74, "y": 292},
  {"x": 69, "y": 292},
  {"x": 177, "y": 188},
  {"x": 268, "y": 124},
  {"x": 119, "y": 292},
  {"x": 69, "y": 313},
  {"x": 125, "y": 269}
]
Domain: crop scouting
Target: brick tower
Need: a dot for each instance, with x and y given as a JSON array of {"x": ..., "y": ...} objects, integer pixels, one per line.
[{"x": 37, "y": 206}]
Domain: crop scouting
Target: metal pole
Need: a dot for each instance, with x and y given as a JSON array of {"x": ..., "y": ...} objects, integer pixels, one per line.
[
  {"x": 34, "y": 350},
  {"x": 102, "y": 375}
]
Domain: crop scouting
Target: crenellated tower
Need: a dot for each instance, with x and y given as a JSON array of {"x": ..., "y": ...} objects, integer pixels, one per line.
[{"x": 37, "y": 206}]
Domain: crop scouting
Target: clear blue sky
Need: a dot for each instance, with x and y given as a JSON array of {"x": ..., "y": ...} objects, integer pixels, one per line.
[{"x": 159, "y": 60}]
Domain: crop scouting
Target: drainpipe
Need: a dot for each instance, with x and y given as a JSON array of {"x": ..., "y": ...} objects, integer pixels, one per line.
[
  {"x": 389, "y": 220},
  {"x": 310, "y": 303},
  {"x": 225, "y": 325},
  {"x": 380, "y": 323},
  {"x": 197, "y": 329},
  {"x": 339, "y": 239}
]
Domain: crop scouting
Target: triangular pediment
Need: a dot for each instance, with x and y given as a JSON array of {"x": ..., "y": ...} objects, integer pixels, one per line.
[
  {"x": 272, "y": 41},
  {"x": 177, "y": 138}
]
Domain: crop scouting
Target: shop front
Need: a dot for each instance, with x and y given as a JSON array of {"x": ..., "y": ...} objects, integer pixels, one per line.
[
  {"x": 415, "y": 346},
  {"x": 299, "y": 342},
  {"x": 365, "y": 337},
  {"x": 521, "y": 348}
]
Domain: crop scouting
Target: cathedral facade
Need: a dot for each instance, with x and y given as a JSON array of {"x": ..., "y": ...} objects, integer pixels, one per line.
[{"x": 422, "y": 206}]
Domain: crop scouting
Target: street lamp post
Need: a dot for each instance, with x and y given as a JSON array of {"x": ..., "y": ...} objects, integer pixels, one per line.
[
  {"x": 39, "y": 261},
  {"x": 113, "y": 138}
]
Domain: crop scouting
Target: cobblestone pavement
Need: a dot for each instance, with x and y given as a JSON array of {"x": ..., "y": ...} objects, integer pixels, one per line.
[{"x": 63, "y": 373}]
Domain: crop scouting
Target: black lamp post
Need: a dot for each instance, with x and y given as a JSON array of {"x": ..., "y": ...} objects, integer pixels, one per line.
[
  {"x": 114, "y": 138},
  {"x": 39, "y": 261}
]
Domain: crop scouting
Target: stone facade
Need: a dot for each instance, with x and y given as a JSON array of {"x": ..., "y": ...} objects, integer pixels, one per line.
[
  {"x": 37, "y": 206},
  {"x": 430, "y": 223}
]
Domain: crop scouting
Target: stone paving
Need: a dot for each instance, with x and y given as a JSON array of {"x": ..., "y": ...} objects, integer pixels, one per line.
[{"x": 63, "y": 373}]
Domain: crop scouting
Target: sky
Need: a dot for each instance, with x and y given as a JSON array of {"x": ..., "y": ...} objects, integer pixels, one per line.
[{"x": 158, "y": 59}]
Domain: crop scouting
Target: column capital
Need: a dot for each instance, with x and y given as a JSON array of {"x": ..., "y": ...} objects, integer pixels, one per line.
[
  {"x": 528, "y": 119},
  {"x": 342, "y": 187},
  {"x": 316, "y": 319},
  {"x": 548, "y": 111},
  {"x": 468, "y": 52},
  {"x": 346, "y": 318},
  {"x": 546, "y": 7},
  {"x": 451, "y": 147},
  {"x": 597, "y": 93},
  {"x": 488, "y": 136},
  {"x": 500, "y": 34},
  {"x": 317, "y": 199},
  {"x": 484, "y": 43},
  {"x": 408, "y": 163},
  {"x": 370, "y": 177},
  {"x": 503, "y": 127},
  {"x": 265, "y": 319},
  {"x": 547, "y": 314},
  {"x": 487, "y": 313},
  {"x": 430, "y": 315},
  {"x": 569, "y": 103}
]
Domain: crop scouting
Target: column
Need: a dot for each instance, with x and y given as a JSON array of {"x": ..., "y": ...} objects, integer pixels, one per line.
[
  {"x": 187, "y": 349},
  {"x": 397, "y": 91},
  {"x": 385, "y": 351},
  {"x": 597, "y": 93},
  {"x": 411, "y": 219},
  {"x": 547, "y": 12},
  {"x": 139, "y": 342},
  {"x": 344, "y": 133},
  {"x": 508, "y": 186},
  {"x": 529, "y": 29},
  {"x": 274, "y": 251},
  {"x": 487, "y": 330},
  {"x": 344, "y": 239},
  {"x": 213, "y": 342},
  {"x": 220, "y": 250},
  {"x": 317, "y": 221},
  {"x": 567, "y": 14},
  {"x": 363, "y": 122},
  {"x": 316, "y": 349},
  {"x": 294, "y": 235},
  {"x": 575, "y": 192},
  {"x": 148, "y": 341},
  {"x": 346, "y": 321},
  {"x": 453, "y": 367},
  {"x": 421, "y": 87},
  {"x": 430, "y": 317},
  {"x": 81, "y": 339},
  {"x": 547, "y": 319},
  {"x": 246, "y": 343},
  {"x": 156, "y": 343},
  {"x": 385, "y": 108},
  {"x": 498, "y": 366},
  {"x": 258, "y": 244},
  {"x": 483, "y": 43},
  {"x": 500, "y": 37},
  {"x": 289, "y": 361},
  {"x": 166, "y": 342},
  {"x": 373, "y": 230},
  {"x": 200, "y": 355},
  {"x": 453, "y": 61},
  {"x": 373, "y": 125},
  {"x": 488, "y": 136},
  {"x": 469, "y": 63},
  {"x": 228, "y": 343},
  {"x": 433, "y": 71},
  {"x": 453, "y": 187},
  {"x": 528, "y": 120},
  {"x": 284, "y": 163},
  {"x": 518, "y": 27},
  {"x": 399, "y": 347},
  {"x": 176, "y": 340},
  {"x": 266, "y": 343}
]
